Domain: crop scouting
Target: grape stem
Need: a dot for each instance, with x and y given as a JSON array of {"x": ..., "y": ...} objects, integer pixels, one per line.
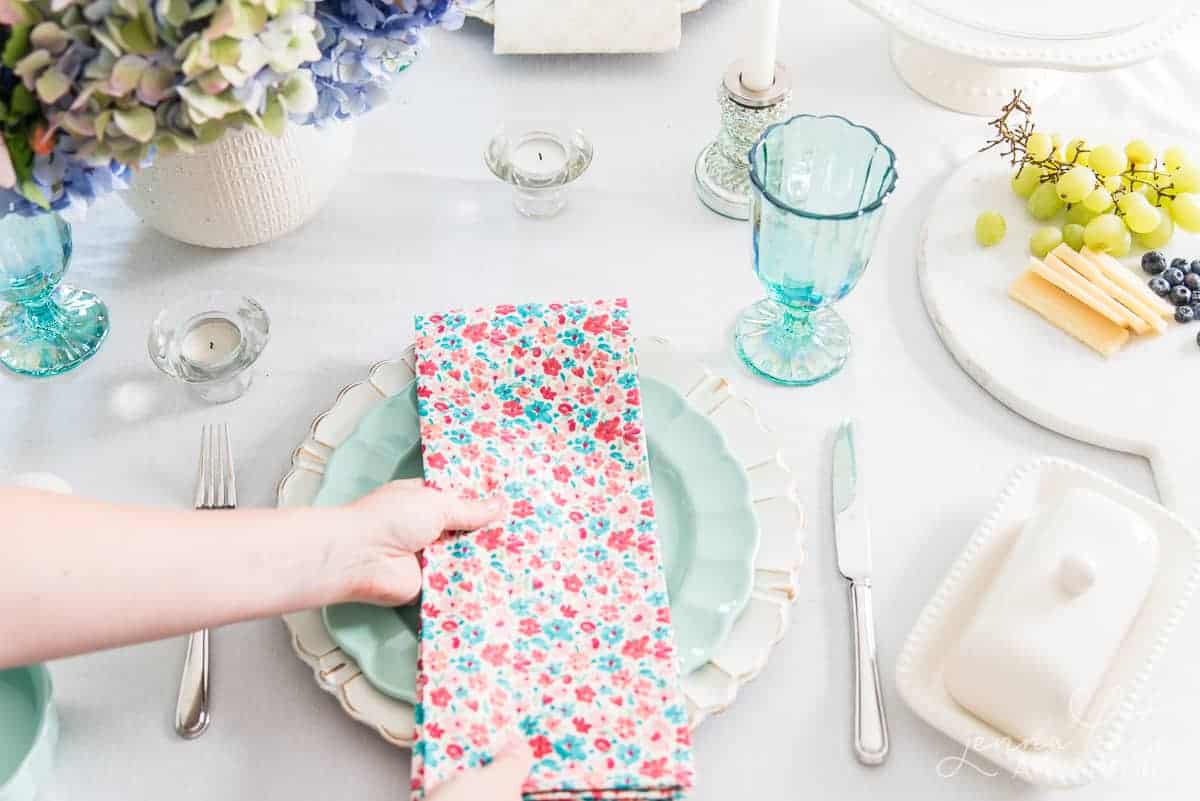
[{"x": 1011, "y": 131}]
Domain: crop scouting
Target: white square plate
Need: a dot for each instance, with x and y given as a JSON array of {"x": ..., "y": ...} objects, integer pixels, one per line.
[{"x": 919, "y": 671}]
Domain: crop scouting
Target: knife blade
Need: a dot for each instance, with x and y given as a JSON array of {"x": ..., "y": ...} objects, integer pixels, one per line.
[
  {"x": 852, "y": 529},
  {"x": 852, "y": 539}
]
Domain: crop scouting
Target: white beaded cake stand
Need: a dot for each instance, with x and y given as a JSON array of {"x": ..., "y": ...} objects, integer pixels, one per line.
[{"x": 970, "y": 56}]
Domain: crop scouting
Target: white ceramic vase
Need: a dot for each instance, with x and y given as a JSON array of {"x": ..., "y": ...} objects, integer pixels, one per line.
[{"x": 245, "y": 189}]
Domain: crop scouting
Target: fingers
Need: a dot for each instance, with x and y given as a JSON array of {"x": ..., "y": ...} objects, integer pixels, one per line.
[
  {"x": 500, "y": 780},
  {"x": 463, "y": 515},
  {"x": 508, "y": 771}
]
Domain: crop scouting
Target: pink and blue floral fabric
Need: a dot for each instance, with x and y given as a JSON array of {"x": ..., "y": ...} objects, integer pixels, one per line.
[{"x": 556, "y": 625}]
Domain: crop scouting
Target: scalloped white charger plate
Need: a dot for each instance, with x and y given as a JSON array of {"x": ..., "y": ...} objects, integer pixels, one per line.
[
  {"x": 709, "y": 689},
  {"x": 921, "y": 666}
]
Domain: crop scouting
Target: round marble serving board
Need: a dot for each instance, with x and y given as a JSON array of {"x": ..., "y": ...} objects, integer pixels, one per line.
[
  {"x": 1137, "y": 400},
  {"x": 486, "y": 12},
  {"x": 708, "y": 690}
]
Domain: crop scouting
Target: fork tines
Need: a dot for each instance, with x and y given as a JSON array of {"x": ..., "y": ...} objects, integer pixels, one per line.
[{"x": 216, "y": 486}]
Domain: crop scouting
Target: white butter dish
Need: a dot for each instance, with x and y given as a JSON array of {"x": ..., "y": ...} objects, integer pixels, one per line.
[
  {"x": 1053, "y": 617},
  {"x": 1078, "y": 753}
]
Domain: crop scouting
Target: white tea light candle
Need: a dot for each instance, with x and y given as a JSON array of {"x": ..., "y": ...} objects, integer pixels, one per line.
[
  {"x": 539, "y": 156},
  {"x": 210, "y": 341},
  {"x": 761, "y": 45}
]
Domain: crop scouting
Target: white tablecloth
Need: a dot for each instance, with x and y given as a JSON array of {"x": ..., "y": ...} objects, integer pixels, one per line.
[{"x": 419, "y": 224}]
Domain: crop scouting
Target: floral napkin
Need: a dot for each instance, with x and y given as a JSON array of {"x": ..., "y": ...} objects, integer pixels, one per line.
[{"x": 554, "y": 626}]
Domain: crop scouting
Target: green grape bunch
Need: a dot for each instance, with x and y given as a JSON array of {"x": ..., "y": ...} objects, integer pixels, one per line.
[{"x": 1117, "y": 195}]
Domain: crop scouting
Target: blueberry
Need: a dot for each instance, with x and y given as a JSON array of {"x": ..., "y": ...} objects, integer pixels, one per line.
[
  {"x": 1154, "y": 262},
  {"x": 1180, "y": 264},
  {"x": 1198, "y": 339},
  {"x": 1184, "y": 314},
  {"x": 1195, "y": 309},
  {"x": 1181, "y": 296},
  {"x": 1160, "y": 286},
  {"x": 1194, "y": 267},
  {"x": 1192, "y": 281},
  {"x": 1174, "y": 276}
]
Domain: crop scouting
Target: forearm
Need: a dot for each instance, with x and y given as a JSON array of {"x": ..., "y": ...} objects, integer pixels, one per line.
[{"x": 78, "y": 575}]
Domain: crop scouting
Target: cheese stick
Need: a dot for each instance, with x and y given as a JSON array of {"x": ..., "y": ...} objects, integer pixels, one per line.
[
  {"x": 1068, "y": 314},
  {"x": 1092, "y": 272},
  {"x": 1125, "y": 278},
  {"x": 1073, "y": 284}
]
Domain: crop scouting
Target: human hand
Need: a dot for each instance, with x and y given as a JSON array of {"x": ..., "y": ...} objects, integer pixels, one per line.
[
  {"x": 500, "y": 780},
  {"x": 396, "y": 521}
]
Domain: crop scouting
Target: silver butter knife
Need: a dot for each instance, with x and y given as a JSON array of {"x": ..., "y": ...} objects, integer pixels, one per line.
[{"x": 852, "y": 534}]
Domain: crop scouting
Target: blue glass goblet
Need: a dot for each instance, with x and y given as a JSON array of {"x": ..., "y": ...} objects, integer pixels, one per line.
[
  {"x": 48, "y": 327},
  {"x": 818, "y": 188}
]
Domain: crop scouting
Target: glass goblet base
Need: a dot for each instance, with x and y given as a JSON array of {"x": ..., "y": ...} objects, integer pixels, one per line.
[
  {"x": 789, "y": 346},
  {"x": 53, "y": 335}
]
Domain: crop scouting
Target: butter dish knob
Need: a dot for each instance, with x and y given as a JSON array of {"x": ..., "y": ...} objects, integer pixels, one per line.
[{"x": 1076, "y": 574}]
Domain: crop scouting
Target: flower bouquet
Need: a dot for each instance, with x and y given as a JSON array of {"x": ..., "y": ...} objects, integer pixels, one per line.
[
  {"x": 92, "y": 89},
  {"x": 202, "y": 198},
  {"x": 93, "y": 92}
]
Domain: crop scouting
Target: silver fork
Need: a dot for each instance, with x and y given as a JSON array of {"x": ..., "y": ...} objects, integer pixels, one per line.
[{"x": 216, "y": 488}]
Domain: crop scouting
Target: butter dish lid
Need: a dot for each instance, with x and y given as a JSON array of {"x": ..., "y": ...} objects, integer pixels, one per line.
[
  {"x": 921, "y": 668},
  {"x": 1053, "y": 617}
]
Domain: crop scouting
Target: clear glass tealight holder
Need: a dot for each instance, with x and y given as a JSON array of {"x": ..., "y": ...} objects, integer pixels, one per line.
[
  {"x": 210, "y": 342},
  {"x": 539, "y": 161}
]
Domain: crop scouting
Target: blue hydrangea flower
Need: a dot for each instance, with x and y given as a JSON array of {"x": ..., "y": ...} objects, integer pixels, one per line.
[
  {"x": 69, "y": 183},
  {"x": 366, "y": 43}
]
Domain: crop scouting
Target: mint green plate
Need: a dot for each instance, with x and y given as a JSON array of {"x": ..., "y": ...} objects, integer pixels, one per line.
[
  {"x": 706, "y": 523},
  {"x": 28, "y": 731}
]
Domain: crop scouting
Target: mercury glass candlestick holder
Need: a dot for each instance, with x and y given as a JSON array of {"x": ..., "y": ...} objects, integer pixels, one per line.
[
  {"x": 210, "y": 342},
  {"x": 539, "y": 162},
  {"x": 722, "y": 174}
]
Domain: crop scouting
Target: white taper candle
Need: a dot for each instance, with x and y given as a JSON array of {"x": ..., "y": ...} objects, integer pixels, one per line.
[{"x": 762, "y": 42}]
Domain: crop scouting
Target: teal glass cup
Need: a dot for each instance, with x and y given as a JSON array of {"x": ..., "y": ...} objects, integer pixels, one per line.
[
  {"x": 48, "y": 327},
  {"x": 818, "y": 190}
]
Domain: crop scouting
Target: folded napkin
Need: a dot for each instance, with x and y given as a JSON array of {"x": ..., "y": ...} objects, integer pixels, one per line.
[
  {"x": 554, "y": 626},
  {"x": 586, "y": 26}
]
